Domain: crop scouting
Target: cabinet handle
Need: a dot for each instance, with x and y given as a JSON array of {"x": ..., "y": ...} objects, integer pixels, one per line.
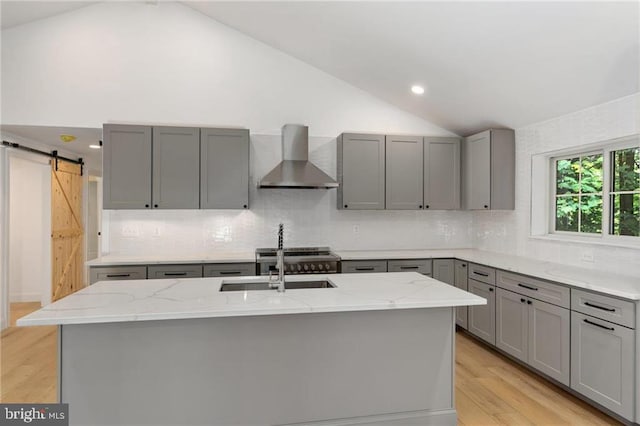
[
  {"x": 529, "y": 302},
  {"x": 486, "y": 206},
  {"x": 118, "y": 275},
  {"x": 346, "y": 206},
  {"x": 598, "y": 325},
  {"x": 464, "y": 265},
  {"x": 229, "y": 272},
  {"x": 244, "y": 206},
  {"x": 522, "y": 300},
  {"x": 146, "y": 206},
  {"x": 482, "y": 274},
  {"x": 175, "y": 274},
  {"x": 368, "y": 268},
  {"x": 490, "y": 288},
  {"x": 420, "y": 206},
  {"x": 527, "y": 287},
  {"x": 155, "y": 206},
  {"x": 409, "y": 267},
  {"x": 427, "y": 206},
  {"x": 591, "y": 305}
]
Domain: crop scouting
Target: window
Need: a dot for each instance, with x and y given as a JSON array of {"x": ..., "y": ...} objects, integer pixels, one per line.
[
  {"x": 579, "y": 194},
  {"x": 593, "y": 193},
  {"x": 625, "y": 192}
]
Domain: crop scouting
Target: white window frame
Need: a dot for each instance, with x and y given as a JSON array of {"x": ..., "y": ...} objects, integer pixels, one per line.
[{"x": 543, "y": 197}]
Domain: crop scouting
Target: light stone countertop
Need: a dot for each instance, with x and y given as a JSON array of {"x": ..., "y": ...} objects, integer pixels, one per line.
[
  {"x": 146, "y": 300},
  {"x": 613, "y": 284},
  {"x": 213, "y": 257}
]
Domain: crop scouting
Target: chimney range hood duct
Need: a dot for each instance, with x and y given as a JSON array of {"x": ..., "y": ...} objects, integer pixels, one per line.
[{"x": 295, "y": 170}]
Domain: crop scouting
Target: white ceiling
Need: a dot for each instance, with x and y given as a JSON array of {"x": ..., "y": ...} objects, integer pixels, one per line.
[
  {"x": 482, "y": 63},
  {"x": 50, "y": 136}
]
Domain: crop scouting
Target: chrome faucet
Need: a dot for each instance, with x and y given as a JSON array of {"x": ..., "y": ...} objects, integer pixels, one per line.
[{"x": 279, "y": 283}]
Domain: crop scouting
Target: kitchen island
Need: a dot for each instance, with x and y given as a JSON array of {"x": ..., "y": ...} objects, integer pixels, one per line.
[{"x": 376, "y": 349}]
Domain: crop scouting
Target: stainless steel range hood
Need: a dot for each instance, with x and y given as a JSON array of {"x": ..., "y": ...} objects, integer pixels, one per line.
[{"x": 295, "y": 170}]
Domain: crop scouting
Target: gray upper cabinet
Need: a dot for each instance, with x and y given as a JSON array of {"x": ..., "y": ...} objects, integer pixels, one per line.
[
  {"x": 460, "y": 281},
  {"x": 224, "y": 168},
  {"x": 489, "y": 170},
  {"x": 444, "y": 270},
  {"x": 404, "y": 172},
  {"x": 441, "y": 173},
  {"x": 126, "y": 166},
  {"x": 361, "y": 171},
  {"x": 176, "y": 175}
]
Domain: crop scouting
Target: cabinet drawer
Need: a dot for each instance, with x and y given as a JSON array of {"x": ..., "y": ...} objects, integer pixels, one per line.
[
  {"x": 174, "y": 271},
  {"x": 482, "y": 273},
  {"x": 113, "y": 273},
  {"x": 422, "y": 266},
  {"x": 535, "y": 288},
  {"x": 607, "y": 308},
  {"x": 363, "y": 266},
  {"x": 229, "y": 269}
]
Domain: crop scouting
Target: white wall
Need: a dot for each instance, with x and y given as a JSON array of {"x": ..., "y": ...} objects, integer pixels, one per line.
[
  {"x": 165, "y": 63},
  {"x": 29, "y": 228},
  {"x": 508, "y": 231}
]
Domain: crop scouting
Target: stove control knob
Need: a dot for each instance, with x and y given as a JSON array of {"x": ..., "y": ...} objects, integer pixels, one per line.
[
  {"x": 306, "y": 267},
  {"x": 320, "y": 266},
  {"x": 313, "y": 267},
  {"x": 298, "y": 267},
  {"x": 327, "y": 267}
]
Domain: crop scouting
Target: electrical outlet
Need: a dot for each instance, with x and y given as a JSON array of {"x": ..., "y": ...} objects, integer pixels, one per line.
[
  {"x": 130, "y": 231},
  {"x": 588, "y": 256},
  {"x": 156, "y": 231},
  {"x": 356, "y": 229}
]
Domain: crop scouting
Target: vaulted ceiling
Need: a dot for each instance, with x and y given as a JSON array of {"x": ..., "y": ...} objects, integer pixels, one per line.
[{"x": 482, "y": 63}]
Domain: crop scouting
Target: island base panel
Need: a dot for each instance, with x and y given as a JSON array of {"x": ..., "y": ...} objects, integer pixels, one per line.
[{"x": 392, "y": 367}]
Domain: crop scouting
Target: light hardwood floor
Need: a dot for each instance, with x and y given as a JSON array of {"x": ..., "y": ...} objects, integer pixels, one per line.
[{"x": 490, "y": 389}]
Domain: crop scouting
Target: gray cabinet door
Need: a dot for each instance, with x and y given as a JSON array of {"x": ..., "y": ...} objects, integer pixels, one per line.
[
  {"x": 512, "y": 318},
  {"x": 441, "y": 173},
  {"x": 460, "y": 281},
  {"x": 224, "y": 168},
  {"x": 478, "y": 171},
  {"x": 549, "y": 340},
  {"x": 443, "y": 270},
  {"x": 126, "y": 166},
  {"x": 361, "y": 172},
  {"x": 176, "y": 171},
  {"x": 482, "y": 318},
  {"x": 602, "y": 367},
  {"x": 404, "y": 172}
]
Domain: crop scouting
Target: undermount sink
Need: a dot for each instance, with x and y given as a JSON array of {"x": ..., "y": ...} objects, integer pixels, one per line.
[{"x": 237, "y": 285}]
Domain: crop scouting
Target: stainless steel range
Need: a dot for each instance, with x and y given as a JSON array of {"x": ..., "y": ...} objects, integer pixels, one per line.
[{"x": 299, "y": 260}]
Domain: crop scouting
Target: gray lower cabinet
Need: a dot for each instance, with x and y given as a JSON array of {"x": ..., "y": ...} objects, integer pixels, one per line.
[
  {"x": 224, "y": 168},
  {"x": 404, "y": 172},
  {"x": 482, "y": 318},
  {"x": 361, "y": 171},
  {"x": 113, "y": 273},
  {"x": 229, "y": 269},
  {"x": 461, "y": 282},
  {"x": 489, "y": 170},
  {"x": 126, "y": 166},
  {"x": 176, "y": 175},
  {"x": 534, "y": 332},
  {"x": 422, "y": 266},
  {"x": 444, "y": 270},
  {"x": 363, "y": 266},
  {"x": 441, "y": 173},
  {"x": 174, "y": 271},
  {"x": 602, "y": 362}
]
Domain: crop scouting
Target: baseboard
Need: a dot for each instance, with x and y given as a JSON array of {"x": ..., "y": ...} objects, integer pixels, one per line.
[{"x": 24, "y": 297}]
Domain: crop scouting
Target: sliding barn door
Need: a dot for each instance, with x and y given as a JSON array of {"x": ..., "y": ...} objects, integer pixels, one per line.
[{"x": 67, "y": 231}]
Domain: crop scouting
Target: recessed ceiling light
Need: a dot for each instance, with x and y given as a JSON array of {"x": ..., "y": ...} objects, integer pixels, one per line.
[
  {"x": 94, "y": 146},
  {"x": 418, "y": 90}
]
